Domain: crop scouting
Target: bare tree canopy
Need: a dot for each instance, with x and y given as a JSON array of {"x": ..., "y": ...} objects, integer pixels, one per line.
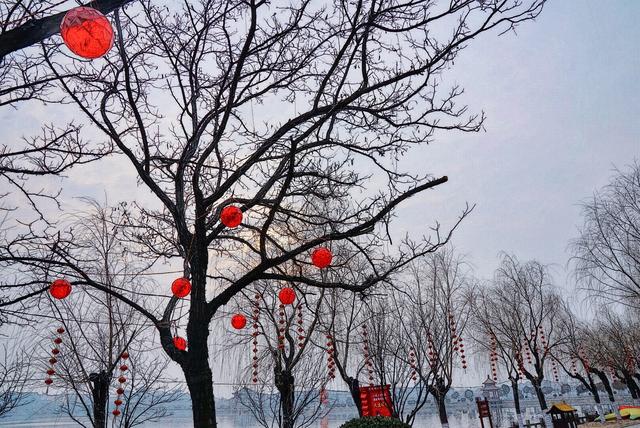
[
  {"x": 607, "y": 252},
  {"x": 301, "y": 114}
]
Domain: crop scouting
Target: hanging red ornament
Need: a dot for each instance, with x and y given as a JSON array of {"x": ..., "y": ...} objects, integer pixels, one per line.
[
  {"x": 287, "y": 296},
  {"x": 180, "y": 343},
  {"x": 120, "y": 391},
  {"x": 321, "y": 257},
  {"x": 124, "y": 368},
  {"x": 87, "y": 32},
  {"x": 231, "y": 216},
  {"x": 48, "y": 381},
  {"x": 181, "y": 287},
  {"x": 116, "y": 412},
  {"x": 238, "y": 321},
  {"x": 122, "y": 379},
  {"x": 60, "y": 330},
  {"x": 117, "y": 402},
  {"x": 60, "y": 289},
  {"x": 124, "y": 355}
]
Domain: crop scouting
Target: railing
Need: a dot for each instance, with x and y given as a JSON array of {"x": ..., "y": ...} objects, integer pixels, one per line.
[{"x": 529, "y": 424}]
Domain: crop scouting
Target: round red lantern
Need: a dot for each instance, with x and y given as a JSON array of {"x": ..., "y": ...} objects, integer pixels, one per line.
[
  {"x": 60, "y": 330},
  {"x": 117, "y": 402},
  {"x": 60, "y": 289},
  {"x": 231, "y": 216},
  {"x": 238, "y": 321},
  {"x": 181, "y": 287},
  {"x": 180, "y": 343},
  {"x": 287, "y": 296},
  {"x": 86, "y": 32},
  {"x": 120, "y": 391},
  {"x": 321, "y": 257},
  {"x": 124, "y": 368},
  {"x": 124, "y": 355},
  {"x": 116, "y": 412},
  {"x": 122, "y": 379},
  {"x": 48, "y": 381}
]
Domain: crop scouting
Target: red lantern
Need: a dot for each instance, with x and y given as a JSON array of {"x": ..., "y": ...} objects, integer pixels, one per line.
[
  {"x": 231, "y": 216},
  {"x": 238, "y": 321},
  {"x": 55, "y": 351},
  {"x": 116, "y": 412},
  {"x": 48, "y": 381},
  {"x": 86, "y": 32},
  {"x": 120, "y": 391},
  {"x": 287, "y": 296},
  {"x": 124, "y": 367},
  {"x": 117, "y": 402},
  {"x": 181, "y": 287},
  {"x": 60, "y": 330},
  {"x": 321, "y": 257},
  {"x": 180, "y": 343},
  {"x": 51, "y": 372},
  {"x": 60, "y": 289},
  {"x": 122, "y": 379},
  {"x": 124, "y": 355}
]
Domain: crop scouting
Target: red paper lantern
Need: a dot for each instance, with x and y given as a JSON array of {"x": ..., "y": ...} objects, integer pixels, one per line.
[
  {"x": 87, "y": 32},
  {"x": 124, "y": 367},
  {"x": 122, "y": 379},
  {"x": 60, "y": 289},
  {"x": 181, "y": 287},
  {"x": 117, "y": 402},
  {"x": 51, "y": 372},
  {"x": 180, "y": 343},
  {"x": 48, "y": 381},
  {"x": 231, "y": 216},
  {"x": 120, "y": 391},
  {"x": 287, "y": 296},
  {"x": 238, "y": 321},
  {"x": 124, "y": 355},
  {"x": 116, "y": 412},
  {"x": 321, "y": 257},
  {"x": 60, "y": 330}
]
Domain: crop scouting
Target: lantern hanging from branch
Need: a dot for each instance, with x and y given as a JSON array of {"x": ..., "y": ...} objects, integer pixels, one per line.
[
  {"x": 180, "y": 343},
  {"x": 238, "y": 321},
  {"x": 60, "y": 289},
  {"x": 321, "y": 257},
  {"x": 231, "y": 216},
  {"x": 287, "y": 296},
  {"x": 181, "y": 287},
  {"x": 87, "y": 32}
]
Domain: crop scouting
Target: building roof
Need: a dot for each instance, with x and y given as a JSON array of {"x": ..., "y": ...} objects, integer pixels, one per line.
[
  {"x": 562, "y": 407},
  {"x": 489, "y": 381}
]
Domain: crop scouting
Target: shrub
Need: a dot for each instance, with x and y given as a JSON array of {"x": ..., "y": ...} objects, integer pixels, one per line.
[{"x": 375, "y": 422}]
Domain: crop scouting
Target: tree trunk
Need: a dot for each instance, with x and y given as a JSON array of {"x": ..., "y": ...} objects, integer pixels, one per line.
[
  {"x": 100, "y": 394},
  {"x": 284, "y": 383},
  {"x": 537, "y": 385},
  {"x": 354, "y": 389},
  {"x": 607, "y": 386},
  {"x": 442, "y": 410},
  {"x": 516, "y": 402},
  {"x": 200, "y": 384}
]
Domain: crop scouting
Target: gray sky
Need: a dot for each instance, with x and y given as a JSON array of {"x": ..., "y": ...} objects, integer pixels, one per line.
[{"x": 562, "y": 100}]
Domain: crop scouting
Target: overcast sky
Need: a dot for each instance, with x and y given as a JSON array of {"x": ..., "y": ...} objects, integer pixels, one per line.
[{"x": 562, "y": 99}]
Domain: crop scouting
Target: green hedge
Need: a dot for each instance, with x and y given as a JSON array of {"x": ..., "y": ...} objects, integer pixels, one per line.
[{"x": 375, "y": 422}]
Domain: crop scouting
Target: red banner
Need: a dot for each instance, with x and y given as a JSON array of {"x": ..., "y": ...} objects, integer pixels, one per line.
[{"x": 376, "y": 401}]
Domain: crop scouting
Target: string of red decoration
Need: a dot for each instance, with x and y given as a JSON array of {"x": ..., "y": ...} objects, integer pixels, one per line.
[
  {"x": 53, "y": 360},
  {"x": 121, "y": 380}
]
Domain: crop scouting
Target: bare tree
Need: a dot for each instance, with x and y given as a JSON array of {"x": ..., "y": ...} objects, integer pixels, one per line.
[
  {"x": 493, "y": 333},
  {"x": 292, "y": 359},
  {"x": 14, "y": 377},
  {"x": 525, "y": 297},
  {"x": 607, "y": 252},
  {"x": 358, "y": 107}
]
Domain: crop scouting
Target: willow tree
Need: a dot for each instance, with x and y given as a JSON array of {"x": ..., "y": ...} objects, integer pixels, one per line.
[{"x": 276, "y": 107}]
